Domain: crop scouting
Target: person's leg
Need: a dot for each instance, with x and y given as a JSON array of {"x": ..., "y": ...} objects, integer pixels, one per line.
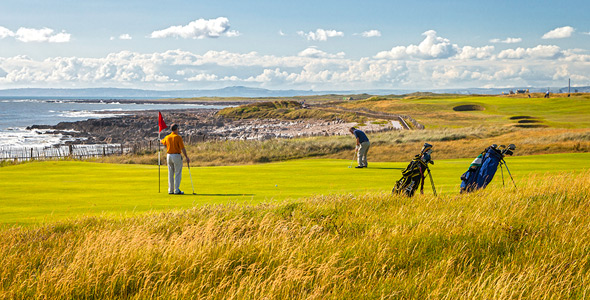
[
  {"x": 359, "y": 156},
  {"x": 364, "y": 148},
  {"x": 170, "y": 163},
  {"x": 366, "y": 153},
  {"x": 178, "y": 172}
]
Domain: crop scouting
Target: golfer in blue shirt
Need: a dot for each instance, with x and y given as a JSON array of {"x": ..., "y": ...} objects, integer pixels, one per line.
[{"x": 362, "y": 145}]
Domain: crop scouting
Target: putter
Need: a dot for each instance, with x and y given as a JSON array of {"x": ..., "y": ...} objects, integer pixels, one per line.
[
  {"x": 353, "y": 156},
  {"x": 191, "y": 176}
]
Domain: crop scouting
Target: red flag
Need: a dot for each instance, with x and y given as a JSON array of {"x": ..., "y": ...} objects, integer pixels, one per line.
[{"x": 161, "y": 122}]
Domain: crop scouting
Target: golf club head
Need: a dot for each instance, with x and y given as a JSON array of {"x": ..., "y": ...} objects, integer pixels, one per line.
[
  {"x": 494, "y": 146},
  {"x": 512, "y": 147}
]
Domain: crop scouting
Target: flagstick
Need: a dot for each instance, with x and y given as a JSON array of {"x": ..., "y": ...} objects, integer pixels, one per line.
[{"x": 159, "y": 181}]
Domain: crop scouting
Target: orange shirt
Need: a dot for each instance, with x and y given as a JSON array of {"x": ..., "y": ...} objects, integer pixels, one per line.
[{"x": 173, "y": 143}]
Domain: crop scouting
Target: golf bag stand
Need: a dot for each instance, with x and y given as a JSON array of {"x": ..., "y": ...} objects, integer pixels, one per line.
[
  {"x": 431, "y": 181},
  {"x": 506, "y": 165}
]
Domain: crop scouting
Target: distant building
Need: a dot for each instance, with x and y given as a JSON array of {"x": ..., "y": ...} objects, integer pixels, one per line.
[{"x": 522, "y": 91}]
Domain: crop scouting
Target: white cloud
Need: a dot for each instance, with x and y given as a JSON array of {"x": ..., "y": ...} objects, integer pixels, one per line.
[
  {"x": 539, "y": 52},
  {"x": 125, "y": 36},
  {"x": 27, "y": 35},
  {"x": 573, "y": 55},
  {"x": 434, "y": 63},
  {"x": 432, "y": 47},
  {"x": 586, "y": 33},
  {"x": 198, "y": 29},
  {"x": 507, "y": 40},
  {"x": 321, "y": 34},
  {"x": 316, "y": 53},
  {"x": 281, "y": 33},
  {"x": 469, "y": 52},
  {"x": 203, "y": 77},
  {"x": 5, "y": 32},
  {"x": 559, "y": 33},
  {"x": 371, "y": 33}
]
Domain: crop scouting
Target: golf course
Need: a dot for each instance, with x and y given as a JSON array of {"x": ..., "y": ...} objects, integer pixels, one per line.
[{"x": 293, "y": 218}]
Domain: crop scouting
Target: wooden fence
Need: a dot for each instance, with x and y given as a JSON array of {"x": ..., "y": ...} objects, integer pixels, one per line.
[
  {"x": 63, "y": 151},
  {"x": 85, "y": 151}
]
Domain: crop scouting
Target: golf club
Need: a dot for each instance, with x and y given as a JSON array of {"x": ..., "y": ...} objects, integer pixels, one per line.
[
  {"x": 353, "y": 156},
  {"x": 191, "y": 176}
]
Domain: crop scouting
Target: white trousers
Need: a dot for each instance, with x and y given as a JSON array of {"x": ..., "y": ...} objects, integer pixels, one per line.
[
  {"x": 174, "y": 172},
  {"x": 362, "y": 154}
]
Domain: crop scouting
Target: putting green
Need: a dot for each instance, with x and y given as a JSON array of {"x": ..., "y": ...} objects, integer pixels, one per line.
[{"x": 42, "y": 192}]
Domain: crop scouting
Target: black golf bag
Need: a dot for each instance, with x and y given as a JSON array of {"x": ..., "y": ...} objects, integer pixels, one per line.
[
  {"x": 484, "y": 167},
  {"x": 413, "y": 176}
]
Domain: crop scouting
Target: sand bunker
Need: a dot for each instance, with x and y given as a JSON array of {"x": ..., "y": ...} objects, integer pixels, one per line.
[
  {"x": 521, "y": 117},
  {"x": 468, "y": 107}
]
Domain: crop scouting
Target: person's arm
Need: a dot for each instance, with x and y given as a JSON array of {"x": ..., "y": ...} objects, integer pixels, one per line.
[
  {"x": 188, "y": 161},
  {"x": 357, "y": 142}
]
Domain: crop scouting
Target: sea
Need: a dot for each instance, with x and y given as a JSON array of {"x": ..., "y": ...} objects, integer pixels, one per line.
[{"x": 16, "y": 114}]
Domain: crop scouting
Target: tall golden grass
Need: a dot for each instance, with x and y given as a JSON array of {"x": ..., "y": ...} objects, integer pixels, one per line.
[
  {"x": 386, "y": 146},
  {"x": 530, "y": 243}
]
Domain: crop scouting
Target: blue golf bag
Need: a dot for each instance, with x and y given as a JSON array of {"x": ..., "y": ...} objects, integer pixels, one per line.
[{"x": 482, "y": 169}]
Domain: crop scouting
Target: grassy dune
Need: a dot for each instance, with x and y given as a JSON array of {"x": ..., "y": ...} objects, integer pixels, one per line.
[{"x": 533, "y": 243}]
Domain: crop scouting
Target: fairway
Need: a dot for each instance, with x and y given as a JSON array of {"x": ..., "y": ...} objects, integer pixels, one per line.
[
  {"x": 43, "y": 192},
  {"x": 438, "y": 111}
]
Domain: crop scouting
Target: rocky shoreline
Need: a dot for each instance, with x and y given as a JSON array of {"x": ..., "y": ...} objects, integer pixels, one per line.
[{"x": 196, "y": 125}]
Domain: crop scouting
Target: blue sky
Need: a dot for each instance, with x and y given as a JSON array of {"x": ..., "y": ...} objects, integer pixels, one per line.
[{"x": 320, "y": 45}]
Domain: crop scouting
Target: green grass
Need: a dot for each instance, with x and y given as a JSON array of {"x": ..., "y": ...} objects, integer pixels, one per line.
[
  {"x": 433, "y": 112},
  {"x": 42, "y": 192}
]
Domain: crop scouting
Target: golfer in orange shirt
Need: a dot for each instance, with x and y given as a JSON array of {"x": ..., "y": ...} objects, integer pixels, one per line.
[{"x": 174, "y": 145}]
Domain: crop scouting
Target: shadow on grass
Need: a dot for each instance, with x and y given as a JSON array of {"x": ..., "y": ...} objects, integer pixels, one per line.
[{"x": 388, "y": 168}]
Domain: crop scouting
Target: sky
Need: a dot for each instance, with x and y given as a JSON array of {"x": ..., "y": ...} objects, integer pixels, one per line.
[{"x": 304, "y": 45}]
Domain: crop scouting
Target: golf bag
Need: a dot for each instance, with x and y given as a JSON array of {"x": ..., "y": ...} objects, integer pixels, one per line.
[
  {"x": 413, "y": 176},
  {"x": 484, "y": 167}
]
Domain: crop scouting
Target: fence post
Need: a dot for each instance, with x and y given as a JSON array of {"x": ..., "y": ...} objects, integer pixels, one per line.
[
  {"x": 31, "y": 157},
  {"x": 121, "y": 148},
  {"x": 71, "y": 148}
]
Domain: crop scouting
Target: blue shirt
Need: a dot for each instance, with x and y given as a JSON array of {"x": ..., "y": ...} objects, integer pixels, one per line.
[{"x": 361, "y": 136}]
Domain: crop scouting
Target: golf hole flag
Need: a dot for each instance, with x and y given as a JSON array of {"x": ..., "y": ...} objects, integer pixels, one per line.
[{"x": 161, "y": 122}]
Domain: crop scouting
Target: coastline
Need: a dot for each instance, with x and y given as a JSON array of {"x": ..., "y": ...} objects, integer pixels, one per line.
[{"x": 195, "y": 125}]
